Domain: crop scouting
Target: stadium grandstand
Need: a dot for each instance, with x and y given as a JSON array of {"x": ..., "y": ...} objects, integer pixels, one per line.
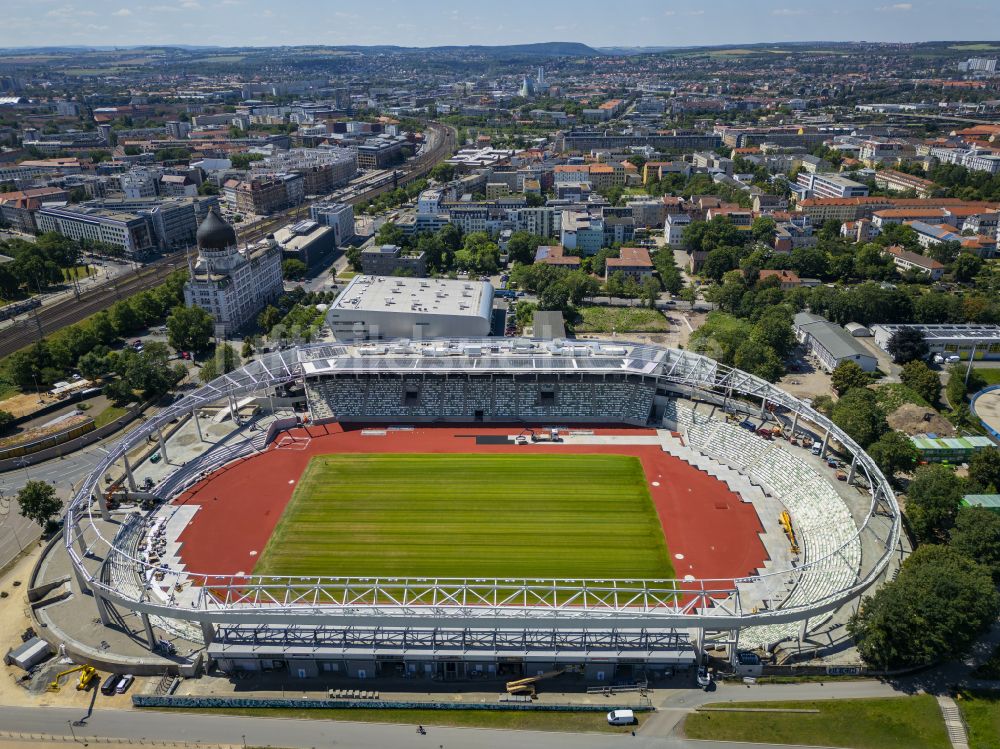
[{"x": 161, "y": 553}]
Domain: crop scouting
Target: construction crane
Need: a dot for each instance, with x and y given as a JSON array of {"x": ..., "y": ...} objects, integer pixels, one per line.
[
  {"x": 87, "y": 675},
  {"x": 527, "y": 685},
  {"x": 786, "y": 525}
]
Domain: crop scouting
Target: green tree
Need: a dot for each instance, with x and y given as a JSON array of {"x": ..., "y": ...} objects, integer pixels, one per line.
[
  {"x": 269, "y": 317},
  {"x": 758, "y": 359},
  {"x": 389, "y": 233},
  {"x": 906, "y": 345},
  {"x": 292, "y": 269},
  {"x": 522, "y": 245},
  {"x": 984, "y": 470},
  {"x": 934, "y": 610},
  {"x": 977, "y": 535},
  {"x": 443, "y": 172},
  {"x": 38, "y": 502},
  {"x": 223, "y": 360},
  {"x": 764, "y": 229},
  {"x": 651, "y": 291},
  {"x": 922, "y": 379},
  {"x": 956, "y": 389},
  {"x": 848, "y": 375},
  {"x": 859, "y": 414},
  {"x": 189, "y": 329},
  {"x": 93, "y": 365},
  {"x": 932, "y": 502},
  {"x": 894, "y": 453},
  {"x": 248, "y": 350},
  {"x": 966, "y": 267},
  {"x": 6, "y": 419}
]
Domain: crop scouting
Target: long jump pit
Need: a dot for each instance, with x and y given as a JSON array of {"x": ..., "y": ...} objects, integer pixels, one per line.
[{"x": 469, "y": 502}]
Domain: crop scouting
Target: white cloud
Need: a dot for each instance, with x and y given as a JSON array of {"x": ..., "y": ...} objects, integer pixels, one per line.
[
  {"x": 788, "y": 12},
  {"x": 122, "y": 12},
  {"x": 896, "y": 7}
]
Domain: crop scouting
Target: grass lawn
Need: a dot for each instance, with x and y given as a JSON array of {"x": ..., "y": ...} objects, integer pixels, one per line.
[
  {"x": 892, "y": 395},
  {"x": 108, "y": 415},
  {"x": 528, "y": 721},
  {"x": 77, "y": 271},
  {"x": 990, "y": 376},
  {"x": 893, "y": 723},
  {"x": 455, "y": 515},
  {"x": 981, "y": 711},
  {"x": 620, "y": 320}
]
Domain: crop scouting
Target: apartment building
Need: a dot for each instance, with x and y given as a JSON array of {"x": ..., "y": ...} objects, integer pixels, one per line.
[
  {"x": 905, "y": 260},
  {"x": 260, "y": 196},
  {"x": 131, "y": 233},
  {"x": 322, "y": 169},
  {"x": 581, "y": 232},
  {"x": 831, "y": 186},
  {"x": 895, "y": 181},
  {"x": 556, "y": 255},
  {"x": 673, "y": 230},
  {"x": 634, "y": 262}
]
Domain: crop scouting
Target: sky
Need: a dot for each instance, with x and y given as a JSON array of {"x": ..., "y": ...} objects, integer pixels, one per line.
[{"x": 420, "y": 23}]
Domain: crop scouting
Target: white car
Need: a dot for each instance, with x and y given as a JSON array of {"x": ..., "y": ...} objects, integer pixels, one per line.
[
  {"x": 621, "y": 718},
  {"x": 704, "y": 677},
  {"x": 520, "y": 440}
]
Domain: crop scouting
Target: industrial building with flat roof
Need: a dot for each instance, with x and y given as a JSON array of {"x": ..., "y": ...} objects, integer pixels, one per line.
[
  {"x": 950, "y": 340},
  {"x": 383, "y": 307},
  {"x": 830, "y": 343}
]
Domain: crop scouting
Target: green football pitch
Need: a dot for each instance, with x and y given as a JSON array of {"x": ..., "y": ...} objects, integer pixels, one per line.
[{"x": 456, "y": 515}]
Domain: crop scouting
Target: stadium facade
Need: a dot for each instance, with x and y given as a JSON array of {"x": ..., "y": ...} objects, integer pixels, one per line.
[{"x": 453, "y": 628}]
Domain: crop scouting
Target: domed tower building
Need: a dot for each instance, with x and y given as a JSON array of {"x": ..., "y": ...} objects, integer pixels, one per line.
[{"x": 232, "y": 284}]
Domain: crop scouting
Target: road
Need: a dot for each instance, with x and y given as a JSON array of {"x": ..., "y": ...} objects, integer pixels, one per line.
[
  {"x": 215, "y": 729},
  {"x": 17, "y": 533}
]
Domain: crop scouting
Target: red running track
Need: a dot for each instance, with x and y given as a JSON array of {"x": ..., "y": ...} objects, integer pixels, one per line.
[{"x": 710, "y": 532}]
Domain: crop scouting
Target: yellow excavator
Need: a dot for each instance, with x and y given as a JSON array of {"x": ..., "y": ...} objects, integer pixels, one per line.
[
  {"x": 527, "y": 685},
  {"x": 786, "y": 524},
  {"x": 87, "y": 675}
]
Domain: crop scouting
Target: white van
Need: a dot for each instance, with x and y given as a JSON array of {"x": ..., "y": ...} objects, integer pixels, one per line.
[
  {"x": 621, "y": 718},
  {"x": 952, "y": 359},
  {"x": 817, "y": 448}
]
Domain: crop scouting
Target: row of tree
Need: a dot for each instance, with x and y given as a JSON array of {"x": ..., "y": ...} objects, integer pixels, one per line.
[{"x": 85, "y": 344}]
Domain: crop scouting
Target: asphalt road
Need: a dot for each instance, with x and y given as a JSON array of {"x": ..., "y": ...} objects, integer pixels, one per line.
[
  {"x": 123, "y": 724},
  {"x": 17, "y": 533}
]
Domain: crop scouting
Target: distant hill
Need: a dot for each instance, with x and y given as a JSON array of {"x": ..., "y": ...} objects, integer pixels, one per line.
[
  {"x": 541, "y": 49},
  {"x": 625, "y": 51}
]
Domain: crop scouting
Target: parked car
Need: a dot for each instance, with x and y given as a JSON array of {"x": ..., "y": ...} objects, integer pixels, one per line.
[
  {"x": 621, "y": 718},
  {"x": 704, "y": 677},
  {"x": 108, "y": 687},
  {"x": 124, "y": 684}
]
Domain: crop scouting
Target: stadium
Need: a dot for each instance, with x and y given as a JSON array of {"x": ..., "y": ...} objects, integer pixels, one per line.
[{"x": 462, "y": 508}]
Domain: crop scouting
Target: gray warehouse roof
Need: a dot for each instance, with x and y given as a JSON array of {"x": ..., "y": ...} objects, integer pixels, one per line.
[{"x": 830, "y": 336}]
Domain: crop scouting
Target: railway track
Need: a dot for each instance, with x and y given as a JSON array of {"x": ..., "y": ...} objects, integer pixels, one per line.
[{"x": 49, "y": 319}]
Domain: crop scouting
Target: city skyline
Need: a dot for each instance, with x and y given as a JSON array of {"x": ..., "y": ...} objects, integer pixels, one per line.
[{"x": 445, "y": 22}]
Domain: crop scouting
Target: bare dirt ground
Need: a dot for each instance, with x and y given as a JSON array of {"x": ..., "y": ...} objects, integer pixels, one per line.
[
  {"x": 909, "y": 418},
  {"x": 14, "y": 620},
  {"x": 25, "y": 403}
]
